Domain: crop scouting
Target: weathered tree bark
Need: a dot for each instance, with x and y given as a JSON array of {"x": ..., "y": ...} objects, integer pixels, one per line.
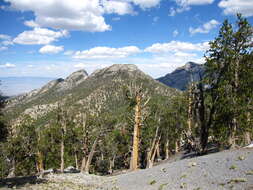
[
  {"x": 167, "y": 150},
  {"x": 76, "y": 160},
  {"x": 158, "y": 152},
  {"x": 85, "y": 143},
  {"x": 62, "y": 156},
  {"x": 176, "y": 146},
  {"x": 12, "y": 171},
  {"x": 63, "y": 133},
  {"x": 40, "y": 163},
  {"x": 247, "y": 138},
  {"x": 90, "y": 156},
  {"x": 231, "y": 138},
  {"x": 152, "y": 151},
  {"x": 111, "y": 166},
  {"x": 83, "y": 164},
  {"x": 137, "y": 126}
]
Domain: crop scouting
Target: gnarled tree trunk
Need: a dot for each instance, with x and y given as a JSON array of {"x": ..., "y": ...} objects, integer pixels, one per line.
[{"x": 137, "y": 126}]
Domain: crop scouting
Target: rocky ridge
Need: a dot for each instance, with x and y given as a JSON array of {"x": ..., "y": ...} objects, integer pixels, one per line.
[{"x": 181, "y": 77}]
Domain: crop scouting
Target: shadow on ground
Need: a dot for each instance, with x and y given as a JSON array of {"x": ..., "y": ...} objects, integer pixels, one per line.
[{"x": 20, "y": 181}]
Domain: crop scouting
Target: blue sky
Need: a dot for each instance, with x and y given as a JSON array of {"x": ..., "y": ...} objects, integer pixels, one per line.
[{"x": 53, "y": 38}]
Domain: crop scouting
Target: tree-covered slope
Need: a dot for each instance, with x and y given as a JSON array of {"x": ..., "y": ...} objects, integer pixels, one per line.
[{"x": 102, "y": 90}]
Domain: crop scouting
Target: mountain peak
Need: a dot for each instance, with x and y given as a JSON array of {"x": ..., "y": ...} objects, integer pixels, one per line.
[
  {"x": 181, "y": 77},
  {"x": 188, "y": 66},
  {"x": 77, "y": 76},
  {"x": 118, "y": 67}
]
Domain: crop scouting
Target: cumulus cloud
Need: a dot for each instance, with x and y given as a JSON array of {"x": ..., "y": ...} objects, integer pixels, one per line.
[
  {"x": 65, "y": 14},
  {"x": 83, "y": 15},
  {"x": 118, "y": 7},
  {"x": 39, "y": 36},
  {"x": 237, "y": 6},
  {"x": 205, "y": 28},
  {"x": 176, "y": 46},
  {"x": 185, "y": 5},
  {"x": 7, "y": 65},
  {"x": 106, "y": 53},
  {"x": 51, "y": 49}
]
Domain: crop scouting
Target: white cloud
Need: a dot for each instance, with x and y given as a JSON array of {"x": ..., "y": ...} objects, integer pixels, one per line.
[
  {"x": 31, "y": 23},
  {"x": 175, "y": 33},
  {"x": 146, "y": 3},
  {"x": 39, "y": 36},
  {"x": 185, "y": 5},
  {"x": 118, "y": 7},
  {"x": 83, "y": 15},
  {"x": 4, "y": 37},
  {"x": 205, "y": 28},
  {"x": 237, "y": 6},
  {"x": 7, "y": 42},
  {"x": 193, "y": 2},
  {"x": 176, "y": 46},
  {"x": 106, "y": 53},
  {"x": 50, "y": 49},
  {"x": 7, "y": 65},
  {"x": 79, "y": 65}
]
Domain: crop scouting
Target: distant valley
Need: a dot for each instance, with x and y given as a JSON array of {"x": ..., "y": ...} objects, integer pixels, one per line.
[{"x": 12, "y": 86}]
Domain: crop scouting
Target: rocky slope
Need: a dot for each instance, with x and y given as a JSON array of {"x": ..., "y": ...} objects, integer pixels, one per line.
[
  {"x": 181, "y": 77},
  {"x": 230, "y": 169},
  {"x": 102, "y": 90}
]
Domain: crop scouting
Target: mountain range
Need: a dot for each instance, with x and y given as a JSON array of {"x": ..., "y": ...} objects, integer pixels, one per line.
[
  {"x": 102, "y": 91},
  {"x": 181, "y": 77}
]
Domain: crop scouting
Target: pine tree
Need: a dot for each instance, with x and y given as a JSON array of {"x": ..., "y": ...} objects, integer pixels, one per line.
[{"x": 223, "y": 76}]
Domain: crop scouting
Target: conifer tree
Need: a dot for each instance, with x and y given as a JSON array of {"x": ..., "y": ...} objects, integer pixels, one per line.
[{"x": 225, "y": 60}]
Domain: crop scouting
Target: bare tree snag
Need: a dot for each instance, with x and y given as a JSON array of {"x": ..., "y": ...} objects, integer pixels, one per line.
[
  {"x": 63, "y": 133},
  {"x": 76, "y": 160},
  {"x": 167, "y": 150},
  {"x": 137, "y": 126},
  {"x": 111, "y": 166},
  {"x": 90, "y": 156},
  {"x": 152, "y": 151}
]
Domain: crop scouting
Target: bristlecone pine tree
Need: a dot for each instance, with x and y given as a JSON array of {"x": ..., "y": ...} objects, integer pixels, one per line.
[
  {"x": 138, "y": 97},
  {"x": 229, "y": 54}
]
